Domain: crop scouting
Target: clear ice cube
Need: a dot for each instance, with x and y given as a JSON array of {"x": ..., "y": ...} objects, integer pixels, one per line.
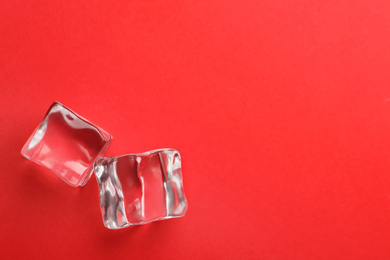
[
  {"x": 140, "y": 188},
  {"x": 66, "y": 144}
]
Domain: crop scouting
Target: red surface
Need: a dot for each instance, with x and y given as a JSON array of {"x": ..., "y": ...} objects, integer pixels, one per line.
[{"x": 280, "y": 109}]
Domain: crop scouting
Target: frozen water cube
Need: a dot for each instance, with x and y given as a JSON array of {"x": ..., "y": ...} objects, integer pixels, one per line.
[
  {"x": 140, "y": 188},
  {"x": 67, "y": 144}
]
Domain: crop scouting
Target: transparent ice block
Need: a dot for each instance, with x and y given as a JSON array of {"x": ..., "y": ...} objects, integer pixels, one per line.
[
  {"x": 66, "y": 144},
  {"x": 140, "y": 188}
]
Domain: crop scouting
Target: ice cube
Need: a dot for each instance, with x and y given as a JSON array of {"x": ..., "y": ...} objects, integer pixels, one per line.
[
  {"x": 140, "y": 188},
  {"x": 67, "y": 144}
]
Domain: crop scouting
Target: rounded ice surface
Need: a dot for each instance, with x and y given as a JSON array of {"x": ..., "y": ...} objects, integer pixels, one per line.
[
  {"x": 66, "y": 144},
  {"x": 140, "y": 188}
]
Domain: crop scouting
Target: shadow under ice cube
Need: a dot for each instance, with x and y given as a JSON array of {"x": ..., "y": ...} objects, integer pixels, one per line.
[
  {"x": 66, "y": 144},
  {"x": 140, "y": 188}
]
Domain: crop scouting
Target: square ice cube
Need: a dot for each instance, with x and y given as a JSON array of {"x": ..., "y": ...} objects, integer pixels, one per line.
[
  {"x": 140, "y": 188},
  {"x": 66, "y": 144}
]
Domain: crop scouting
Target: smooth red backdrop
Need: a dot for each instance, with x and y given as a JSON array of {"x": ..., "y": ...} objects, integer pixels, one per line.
[{"x": 280, "y": 109}]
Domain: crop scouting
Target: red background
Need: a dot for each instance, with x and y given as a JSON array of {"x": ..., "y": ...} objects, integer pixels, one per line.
[{"x": 280, "y": 109}]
